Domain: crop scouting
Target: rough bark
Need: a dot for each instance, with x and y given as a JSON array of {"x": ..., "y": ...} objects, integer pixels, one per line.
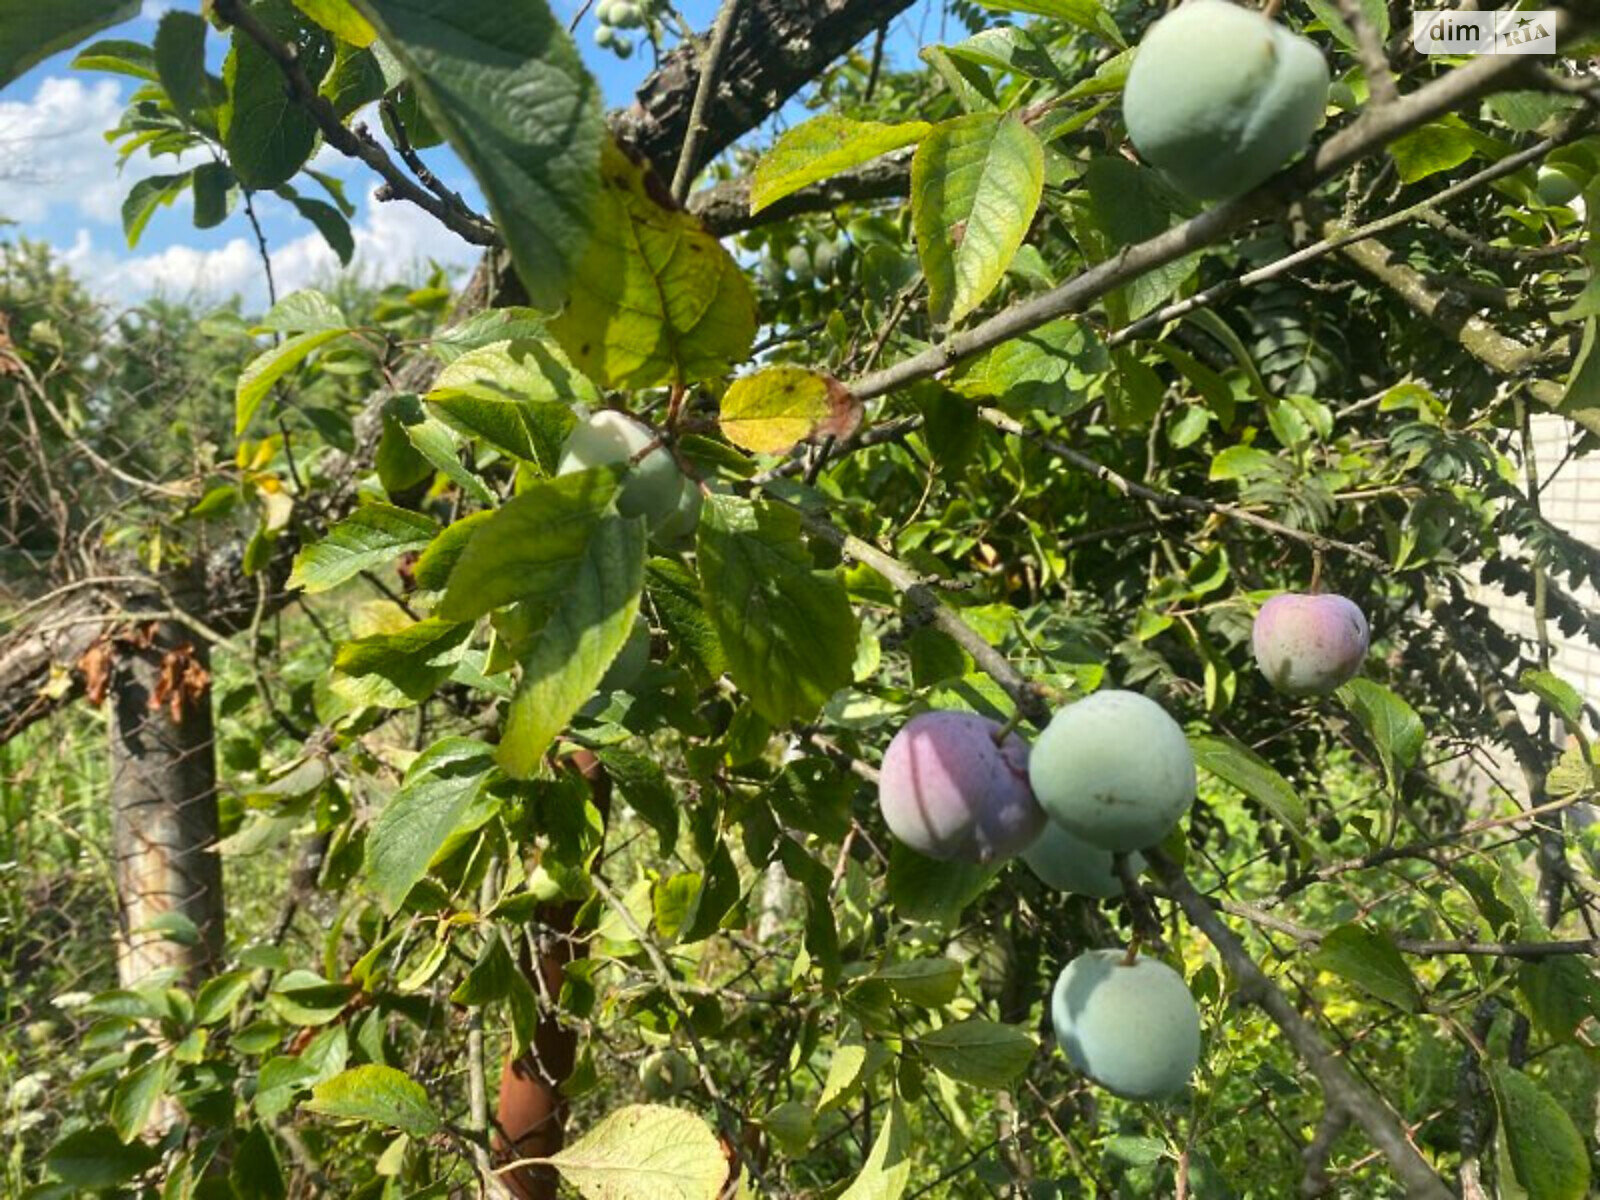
[
  {"x": 164, "y": 802},
  {"x": 778, "y": 46}
]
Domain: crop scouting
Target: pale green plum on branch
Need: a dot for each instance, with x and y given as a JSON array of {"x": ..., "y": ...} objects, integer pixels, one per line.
[
  {"x": 1219, "y": 97},
  {"x": 655, "y": 487},
  {"x": 1132, "y": 1027}
]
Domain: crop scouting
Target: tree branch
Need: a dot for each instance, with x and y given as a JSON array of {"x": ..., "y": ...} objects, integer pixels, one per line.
[{"x": 710, "y": 68}]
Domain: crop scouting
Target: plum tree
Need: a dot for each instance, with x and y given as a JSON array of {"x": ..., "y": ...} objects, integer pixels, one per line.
[
  {"x": 1220, "y": 97},
  {"x": 655, "y": 488},
  {"x": 1114, "y": 769},
  {"x": 1133, "y": 1028},
  {"x": 1307, "y": 645},
  {"x": 1064, "y": 861},
  {"x": 948, "y": 790}
]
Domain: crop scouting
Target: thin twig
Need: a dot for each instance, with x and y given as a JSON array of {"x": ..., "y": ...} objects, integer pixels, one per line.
[{"x": 710, "y": 69}]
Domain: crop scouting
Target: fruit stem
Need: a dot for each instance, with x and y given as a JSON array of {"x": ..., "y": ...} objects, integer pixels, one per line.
[
  {"x": 1269, "y": 10},
  {"x": 1132, "y": 956},
  {"x": 1000, "y": 735},
  {"x": 1316, "y": 572}
]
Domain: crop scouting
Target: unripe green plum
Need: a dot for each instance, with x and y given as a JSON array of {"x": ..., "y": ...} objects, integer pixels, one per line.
[
  {"x": 949, "y": 791},
  {"x": 604, "y": 35},
  {"x": 622, "y": 47},
  {"x": 1219, "y": 97},
  {"x": 654, "y": 487},
  {"x": 665, "y": 1073},
  {"x": 799, "y": 260},
  {"x": 1132, "y": 1028},
  {"x": 1555, "y": 186},
  {"x": 1309, "y": 645},
  {"x": 1063, "y": 860},
  {"x": 603, "y": 11},
  {"x": 1114, "y": 769},
  {"x": 626, "y": 15}
]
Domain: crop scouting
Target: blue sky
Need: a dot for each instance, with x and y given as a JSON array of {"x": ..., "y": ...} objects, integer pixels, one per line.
[{"x": 59, "y": 182}]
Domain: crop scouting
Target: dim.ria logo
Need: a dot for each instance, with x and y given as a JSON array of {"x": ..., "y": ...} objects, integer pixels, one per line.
[{"x": 1441, "y": 31}]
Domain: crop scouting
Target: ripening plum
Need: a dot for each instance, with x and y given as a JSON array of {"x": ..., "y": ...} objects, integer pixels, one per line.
[
  {"x": 948, "y": 791},
  {"x": 1063, "y": 860},
  {"x": 1309, "y": 645},
  {"x": 1114, "y": 769},
  {"x": 654, "y": 487},
  {"x": 1220, "y": 97},
  {"x": 665, "y": 1073},
  {"x": 1133, "y": 1028}
]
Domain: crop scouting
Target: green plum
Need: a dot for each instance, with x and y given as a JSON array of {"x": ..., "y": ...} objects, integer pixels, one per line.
[
  {"x": 1063, "y": 860},
  {"x": 655, "y": 488},
  {"x": 1220, "y": 97},
  {"x": 1114, "y": 769},
  {"x": 1133, "y": 1028}
]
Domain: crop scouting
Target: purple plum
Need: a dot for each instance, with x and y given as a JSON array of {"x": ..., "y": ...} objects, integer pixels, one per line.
[
  {"x": 949, "y": 791},
  {"x": 1309, "y": 645}
]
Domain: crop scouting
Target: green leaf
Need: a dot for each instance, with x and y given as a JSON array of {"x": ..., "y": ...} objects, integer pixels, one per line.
[
  {"x": 923, "y": 889},
  {"x": 655, "y": 298},
  {"x": 340, "y": 18},
  {"x": 983, "y": 1053},
  {"x": 438, "y": 445},
  {"x": 305, "y": 311},
  {"x": 433, "y": 566},
  {"x": 119, "y": 57},
  {"x": 368, "y": 539},
  {"x": 515, "y": 395},
  {"x": 1437, "y": 146},
  {"x": 821, "y": 148},
  {"x": 329, "y": 222},
  {"x": 1088, "y": 15},
  {"x": 97, "y": 1157},
  {"x": 271, "y": 365},
  {"x": 718, "y": 892},
  {"x": 436, "y": 793},
  {"x": 219, "y": 996},
  {"x": 787, "y": 628},
  {"x": 645, "y": 787},
  {"x": 529, "y": 548},
  {"x": 645, "y": 1152},
  {"x": 380, "y": 1096},
  {"x": 1560, "y": 696},
  {"x": 888, "y": 1167},
  {"x": 180, "y": 58},
  {"x": 1392, "y": 724},
  {"x": 136, "y": 1094},
  {"x": 149, "y": 194},
  {"x": 976, "y": 182},
  {"x": 267, "y": 133},
  {"x": 1011, "y": 49},
  {"x": 855, "y": 1061},
  {"x": 775, "y": 410},
  {"x": 1371, "y": 961},
  {"x": 414, "y": 659},
  {"x": 213, "y": 194},
  {"x": 1239, "y": 766},
  {"x": 929, "y": 982},
  {"x": 1548, "y": 1153},
  {"x": 31, "y": 32},
  {"x": 1561, "y": 993},
  {"x": 504, "y": 84},
  {"x": 1051, "y": 367},
  {"x": 491, "y": 976},
  {"x": 255, "y": 1172},
  {"x": 566, "y": 662},
  {"x": 675, "y": 593}
]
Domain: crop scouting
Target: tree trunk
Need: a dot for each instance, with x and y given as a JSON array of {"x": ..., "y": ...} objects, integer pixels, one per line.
[{"x": 164, "y": 803}]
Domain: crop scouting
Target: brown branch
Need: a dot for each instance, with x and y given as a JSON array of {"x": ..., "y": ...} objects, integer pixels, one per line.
[
  {"x": 710, "y": 71},
  {"x": 1340, "y": 1087},
  {"x": 463, "y": 223}
]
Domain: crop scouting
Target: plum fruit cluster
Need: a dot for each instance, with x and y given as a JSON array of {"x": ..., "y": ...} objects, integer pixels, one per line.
[
  {"x": 614, "y": 15},
  {"x": 1219, "y": 97},
  {"x": 1111, "y": 773}
]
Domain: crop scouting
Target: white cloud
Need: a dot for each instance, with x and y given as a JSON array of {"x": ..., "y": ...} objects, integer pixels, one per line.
[
  {"x": 394, "y": 241},
  {"x": 54, "y": 153}
]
